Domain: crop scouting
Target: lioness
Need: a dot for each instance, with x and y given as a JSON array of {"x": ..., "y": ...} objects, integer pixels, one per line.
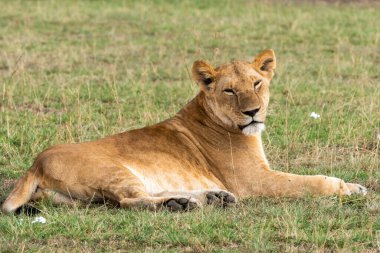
[{"x": 209, "y": 152}]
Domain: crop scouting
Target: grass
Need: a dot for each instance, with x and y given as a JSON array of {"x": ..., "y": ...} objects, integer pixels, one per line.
[{"x": 73, "y": 71}]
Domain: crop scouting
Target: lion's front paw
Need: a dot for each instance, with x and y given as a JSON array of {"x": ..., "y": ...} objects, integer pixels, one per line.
[
  {"x": 357, "y": 189},
  {"x": 346, "y": 188}
]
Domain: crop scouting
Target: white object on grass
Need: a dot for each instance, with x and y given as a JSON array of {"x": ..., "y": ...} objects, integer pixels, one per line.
[
  {"x": 39, "y": 219},
  {"x": 315, "y": 115}
]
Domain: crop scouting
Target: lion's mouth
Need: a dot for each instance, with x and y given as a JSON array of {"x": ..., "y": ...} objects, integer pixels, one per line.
[{"x": 241, "y": 127}]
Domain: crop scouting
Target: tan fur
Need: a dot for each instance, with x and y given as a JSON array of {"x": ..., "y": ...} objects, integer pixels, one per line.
[{"x": 208, "y": 147}]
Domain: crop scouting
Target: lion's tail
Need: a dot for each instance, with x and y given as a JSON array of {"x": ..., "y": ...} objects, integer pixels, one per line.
[{"x": 22, "y": 192}]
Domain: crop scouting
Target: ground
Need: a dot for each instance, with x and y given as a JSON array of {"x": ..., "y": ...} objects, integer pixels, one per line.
[{"x": 73, "y": 71}]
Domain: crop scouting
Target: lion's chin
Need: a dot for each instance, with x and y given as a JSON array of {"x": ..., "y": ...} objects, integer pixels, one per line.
[{"x": 253, "y": 129}]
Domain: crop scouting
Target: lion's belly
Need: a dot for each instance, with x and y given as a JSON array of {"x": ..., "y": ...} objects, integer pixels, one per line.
[{"x": 159, "y": 180}]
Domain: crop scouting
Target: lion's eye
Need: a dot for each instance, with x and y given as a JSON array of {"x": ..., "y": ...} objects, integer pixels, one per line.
[
  {"x": 257, "y": 84},
  {"x": 229, "y": 91}
]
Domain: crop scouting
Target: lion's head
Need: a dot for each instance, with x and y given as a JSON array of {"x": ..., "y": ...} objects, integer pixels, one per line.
[{"x": 237, "y": 93}]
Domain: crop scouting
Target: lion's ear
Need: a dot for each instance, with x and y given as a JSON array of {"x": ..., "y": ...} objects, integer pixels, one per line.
[
  {"x": 204, "y": 74},
  {"x": 265, "y": 63}
]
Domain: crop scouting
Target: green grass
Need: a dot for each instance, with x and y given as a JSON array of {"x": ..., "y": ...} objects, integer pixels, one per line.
[{"x": 72, "y": 71}]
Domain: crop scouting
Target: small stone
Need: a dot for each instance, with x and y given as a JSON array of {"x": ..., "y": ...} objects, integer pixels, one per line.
[
  {"x": 39, "y": 219},
  {"x": 315, "y": 115}
]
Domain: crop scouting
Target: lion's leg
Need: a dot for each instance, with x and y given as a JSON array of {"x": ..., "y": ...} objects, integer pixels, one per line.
[
  {"x": 275, "y": 183},
  {"x": 126, "y": 190},
  {"x": 130, "y": 192}
]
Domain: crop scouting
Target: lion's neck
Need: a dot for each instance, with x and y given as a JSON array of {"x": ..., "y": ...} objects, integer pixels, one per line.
[
  {"x": 230, "y": 154},
  {"x": 199, "y": 114}
]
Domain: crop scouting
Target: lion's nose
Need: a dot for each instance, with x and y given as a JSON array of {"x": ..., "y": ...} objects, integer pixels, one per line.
[{"x": 252, "y": 112}]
